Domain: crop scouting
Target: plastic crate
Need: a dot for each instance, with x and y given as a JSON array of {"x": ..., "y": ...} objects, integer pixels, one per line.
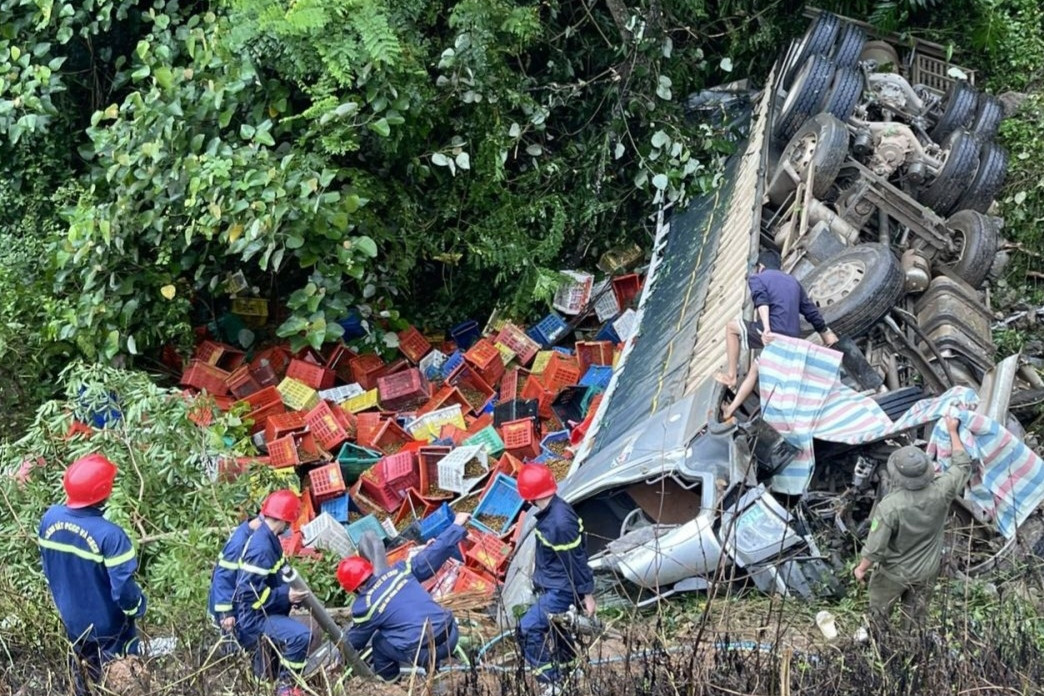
[
  {"x": 367, "y": 425},
  {"x": 327, "y": 481},
  {"x": 428, "y": 426},
  {"x": 387, "y": 481},
  {"x": 452, "y": 468},
  {"x": 502, "y": 500},
  {"x": 209, "y": 352},
  {"x": 241, "y": 382},
  {"x": 558, "y": 436},
  {"x": 361, "y": 402},
  {"x": 455, "y": 360},
  {"x": 337, "y": 508},
  {"x": 315, "y": 376},
  {"x": 203, "y": 376},
  {"x": 594, "y": 353},
  {"x": 354, "y": 460},
  {"x": 330, "y": 425},
  {"x": 281, "y": 424},
  {"x": 572, "y": 295},
  {"x": 446, "y": 396},
  {"x": 597, "y": 376},
  {"x": 548, "y": 330},
  {"x": 489, "y": 552},
  {"x": 561, "y": 372},
  {"x": 431, "y": 365},
  {"x": 472, "y": 387},
  {"x": 489, "y": 439},
  {"x": 626, "y": 289},
  {"x": 413, "y": 345},
  {"x": 516, "y": 339},
  {"x": 401, "y": 554},
  {"x": 282, "y": 452},
  {"x": 465, "y": 333},
  {"x": 486, "y": 360},
  {"x": 516, "y": 409},
  {"x": 570, "y": 406},
  {"x": 520, "y": 438},
  {"x": 535, "y": 390},
  {"x": 509, "y": 465},
  {"x": 259, "y": 416},
  {"x": 361, "y": 526},
  {"x": 340, "y": 394},
  {"x": 269, "y": 365},
  {"x": 625, "y": 325},
  {"x": 253, "y": 310},
  {"x": 297, "y": 395},
  {"x": 606, "y": 306},
  {"x": 403, "y": 391},
  {"x": 509, "y": 385},
  {"x": 469, "y": 580},
  {"x": 391, "y": 438},
  {"x": 506, "y": 354},
  {"x": 437, "y": 522},
  {"x": 365, "y": 369},
  {"x": 328, "y": 533}
]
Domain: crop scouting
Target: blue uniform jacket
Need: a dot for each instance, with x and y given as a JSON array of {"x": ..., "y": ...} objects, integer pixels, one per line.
[
  {"x": 89, "y": 564},
  {"x": 395, "y": 604},
  {"x": 786, "y": 300},
  {"x": 260, "y": 591},
  {"x": 561, "y": 551},
  {"x": 223, "y": 579}
]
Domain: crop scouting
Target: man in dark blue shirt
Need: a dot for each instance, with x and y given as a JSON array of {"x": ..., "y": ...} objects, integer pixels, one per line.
[{"x": 779, "y": 302}]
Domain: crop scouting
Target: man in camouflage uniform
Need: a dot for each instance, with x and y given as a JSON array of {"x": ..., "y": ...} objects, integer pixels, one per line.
[{"x": 906, "y": 532}]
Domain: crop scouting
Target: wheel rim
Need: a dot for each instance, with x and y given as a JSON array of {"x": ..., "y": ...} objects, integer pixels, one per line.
[
  {"x": 838, "y": 282},
  {"x": 802, "y": 152}
]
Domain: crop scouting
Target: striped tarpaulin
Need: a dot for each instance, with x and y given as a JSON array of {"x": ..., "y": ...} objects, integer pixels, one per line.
[{"x": 803, "y": 398}]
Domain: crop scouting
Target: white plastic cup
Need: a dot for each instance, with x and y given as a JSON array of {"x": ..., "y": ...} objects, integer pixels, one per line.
[{"x": 825, "y": 621}]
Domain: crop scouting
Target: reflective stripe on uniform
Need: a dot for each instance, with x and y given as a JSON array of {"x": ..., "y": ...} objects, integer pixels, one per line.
[
  {"x": 223, "y": 607},
  {"x": 120, "y": 560},
  {"x": 257, "y": 570},
  {"x": 69, "y": 548},
  {"x": 380, "y": 605},
  {"x": 132, "y": 612},
  {"x": 262, "y": 599},
  {"x": 562, "y": 547},
  {"x": 227, "y": 565},
  {"x": 290, "y": 664}
]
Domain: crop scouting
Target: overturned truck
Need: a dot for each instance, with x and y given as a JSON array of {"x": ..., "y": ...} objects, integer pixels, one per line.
[{"x": 871, "y": 166}]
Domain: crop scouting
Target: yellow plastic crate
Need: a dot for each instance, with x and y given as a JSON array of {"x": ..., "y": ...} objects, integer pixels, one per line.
[
  {"x": 297, "y": 395},
  {"x": 540, "y": 361},
  {"x": 361, "y": 402},
  {"x": 428, "y": 426},
  {"x": 506, "y": 354}
]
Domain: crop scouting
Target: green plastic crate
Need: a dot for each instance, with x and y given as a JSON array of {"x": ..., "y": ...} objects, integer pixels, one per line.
[
  {"x": 488, "y": 439},
  {"x": 354, "y": 460}
]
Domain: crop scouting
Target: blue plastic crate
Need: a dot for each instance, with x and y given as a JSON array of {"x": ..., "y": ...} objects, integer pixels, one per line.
[
  {"x": 435, "y": 523},
  {"x": 466, "y": 333},
  {"x": 502, "y": 499},
  {"x": 557, "y": 436},
  {"x": 352, "y": 325},
  {"x": 355, "y": 529},
  {"x": 608, "y": 332},
  {"x": 452, "y": 363},
  {"x": 337, "y": 508},
  {"x": 563, "y": 350},
  {"x": 597, "y": 376},
  {"x": 544, "y": 458},
  {"x": 548, "y": 330}
]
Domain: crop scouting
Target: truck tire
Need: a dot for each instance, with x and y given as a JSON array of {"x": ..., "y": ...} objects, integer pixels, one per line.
[
  {"x": 960, "y": 101},
  {"x": 856, "y": 288},
  {"x": 818, "y": 39},
  {"x": 897, "y": 402},
  {"x": 988, "y": 180},
  {"x": 987, "y": 119},
  {"x": 977, "y": 238},
  {"x": 805, "y": 95},
  {"x": 821, "y": 142},
  {"x": 958, "y": 170},
  {"x": 846, "y": 90},
  {"x": 848, "y": 46}
]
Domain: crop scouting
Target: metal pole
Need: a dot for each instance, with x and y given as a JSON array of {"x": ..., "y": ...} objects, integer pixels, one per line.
[{"x": 326, "y": 622}]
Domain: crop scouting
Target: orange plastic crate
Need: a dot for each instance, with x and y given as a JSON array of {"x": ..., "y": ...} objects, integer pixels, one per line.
[
  {"x": 367, "y": 426},
  {"x": 365, "y": 370},
  {"x": 520, "y": 438},
  {"x": 561, "y": 372},
  {"x": 469, "y": 580},
  {"x": 487, "y": 361},
  {"x": 203, "y": 376},
  {"x": 516, "y": 339},
  {"x": 330, "y": 425},
  {"x": 535, "y": 389},
  {"x": 241, "y": 382},
  {"x": 590, "y": 353},
  {"x": 281, "y": 424},
  {"x": 209, "y": 352},
  {"x": 453, "y": 433},
  {"x": 278, "y": 358},
  {"x": 261, "y": 398},
  {"x": 327, "y": 482},
  {"x": 477, "y": 424},
  {"x": 400, "y": 553},
  {"x": 428, "y": 472},
  {"x": 489, "y": 552},
  {"x": 509, "y": 384},
  {"x": 315, "y": 376},
  {"x": 403, "y": 391},
  {"x": 414, "y": 506},
  {"x": 471, "y": 386},
  {"x": 627, "y": 288},
  {"x": 413, "y": 345},
  {"x": 391, "y": 438},
  {"x": 447, "y": 395},
  {"x": 282, "y": 452}
]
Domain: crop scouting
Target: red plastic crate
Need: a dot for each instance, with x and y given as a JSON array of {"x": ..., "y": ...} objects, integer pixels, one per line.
[
  {"x": 470, "y": 580},
  {"x": 278, "y": 358},
  {"x": 203, "y": 376},
  {"x": 387, "y": 481},
  {"x": 391, "y": 438},
  {"x": 327, "y": 482},
  {"x": 590, "y": 353},
  {"x": 365, "y": 370},
  {"x": 310, "y": 355},
  {"x": 309, "y": 450},
  {"x": 626, "y": 288},
  {"x": 282, "y": 452},
  {"x": 413, "y": 345},
  {"x": 400, "y": 553},
  {"x": 487, "y": 361},
  {"x": 489, "y": 552},
  {"x": 260, "y": 416},
  {"x": 510, "y": 383},
  {"x": 367, "y": 426},
  {"x": 535, "y": 389},
  {"x": 231, "y": 468},
  {"x": 261, "y": 398},
  {"x": 472, "y": 387},
  {"x": 453, "y": 433},
  {"x": 516, "y": 339},
  {"x": 447, "y": 395},
  {"x": 404, "y": 390},
  {"x": 477, "y": 424},
  {"x": 281, "y": 424},
  {"x": 561, "y": 372},
  {"x": 520, "y": 438},
  {"x": 209, "y": 352},
  {"x": 330, "y": 424},
  {"x": 315, "y": 376},
  {"x": 241, "y": 382},
  {"x": 428, "y": 472}
]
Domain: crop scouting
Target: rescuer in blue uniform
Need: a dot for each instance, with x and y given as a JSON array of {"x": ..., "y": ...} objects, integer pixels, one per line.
[
  {"x": 561, "y": 575},
  {"x": 395, "y": 614},
  {"x": 223, "y": 578},
  {"x": 262, "y": 600},
  {"x": 89, "y": 564}
]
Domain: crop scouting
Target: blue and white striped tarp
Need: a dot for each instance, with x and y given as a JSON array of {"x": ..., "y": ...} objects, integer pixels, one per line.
[{"x": 803, "y": 398}]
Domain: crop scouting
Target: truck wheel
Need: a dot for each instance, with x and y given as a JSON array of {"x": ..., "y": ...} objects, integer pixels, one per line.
[
  {"x": 883, "y": 55},
  {"x": 818, "y": 39},
  {"x": 987, "y": 119},
  {"x": 976, "y": 238},
  {"x": 988, "y": 180},
  {"x": 856, "y": 288},
  {"x": 849, "y": 45},
  {"x": 805, "y": 95},
  {"x": 823, "y": 143},
  {"x": 960, "y": 101},
  {"x": 845, "y": 92},
  {"x": 958, "y": 170}
]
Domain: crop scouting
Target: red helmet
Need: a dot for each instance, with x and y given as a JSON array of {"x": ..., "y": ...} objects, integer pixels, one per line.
[
  {"x": 282, "y": 505},
  {"x": 88, "y": 481},
  {"x": 352, "y": 572},
  {"x": 536, "y": 481}
]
